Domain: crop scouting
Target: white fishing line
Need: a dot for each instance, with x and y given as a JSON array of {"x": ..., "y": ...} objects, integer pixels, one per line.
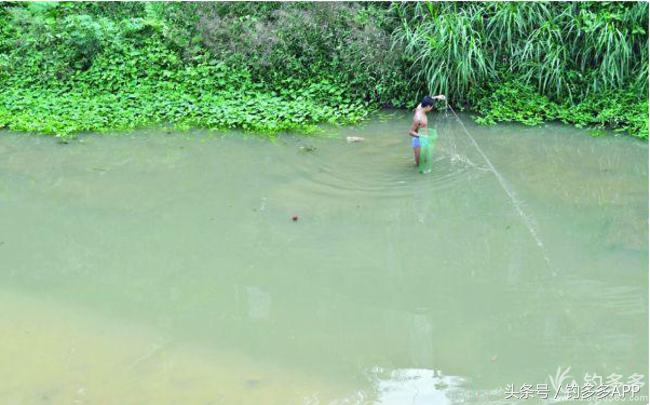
[{"x": 530, "y": 224}]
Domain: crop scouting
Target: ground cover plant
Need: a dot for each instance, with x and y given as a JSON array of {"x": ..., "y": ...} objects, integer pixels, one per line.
[{"x": 67, "y": 68}]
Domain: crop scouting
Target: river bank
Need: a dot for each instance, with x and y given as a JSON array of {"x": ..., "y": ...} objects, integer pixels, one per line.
[{"x": 67, "y": 68}]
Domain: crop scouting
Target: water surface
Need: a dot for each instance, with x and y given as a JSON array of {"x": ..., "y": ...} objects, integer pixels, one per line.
[{"x": 159, "y": 267}]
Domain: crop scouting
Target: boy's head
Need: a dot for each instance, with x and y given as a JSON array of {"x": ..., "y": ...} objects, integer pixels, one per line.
[{"x": 427, "y": 103}]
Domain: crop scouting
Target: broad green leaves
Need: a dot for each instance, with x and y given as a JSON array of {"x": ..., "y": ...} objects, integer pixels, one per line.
[{"x": 72, "y": 67}]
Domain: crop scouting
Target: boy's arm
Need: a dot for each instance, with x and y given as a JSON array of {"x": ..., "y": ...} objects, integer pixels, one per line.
[{"x": 414, "y": 128}]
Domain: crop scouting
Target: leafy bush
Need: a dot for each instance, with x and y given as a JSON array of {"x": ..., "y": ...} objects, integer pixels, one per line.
[
  {"x": 517, "y": 102},
  {"x": 273, "y": 66},
  {"x": 306, "y": 40},
  {"x": 82, "y": 72},
  {"x": 621, "y": 110}
]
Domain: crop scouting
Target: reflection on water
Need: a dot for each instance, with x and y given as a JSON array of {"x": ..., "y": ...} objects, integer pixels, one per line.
[
  {"x": 148, "y": 266},
  {"x": 416, "y": 386}
]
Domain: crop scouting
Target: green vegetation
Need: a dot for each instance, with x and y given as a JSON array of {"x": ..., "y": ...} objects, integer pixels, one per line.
[
  {"x": 622, "y": 110},
  {"x": 268, "y": 67},
  {"x": 584, "y": 63},
  {"x": 92, "y": 67}
]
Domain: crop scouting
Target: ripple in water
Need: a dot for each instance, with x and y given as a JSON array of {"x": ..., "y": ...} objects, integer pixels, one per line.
[{"x": 331, "y": 172}]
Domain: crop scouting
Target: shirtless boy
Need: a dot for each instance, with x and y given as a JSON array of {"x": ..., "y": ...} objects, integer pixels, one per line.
[{"x": 420, "y": 121}]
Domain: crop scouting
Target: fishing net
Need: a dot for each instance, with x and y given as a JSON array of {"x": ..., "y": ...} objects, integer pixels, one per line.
[{"x": 427, "y": 146}]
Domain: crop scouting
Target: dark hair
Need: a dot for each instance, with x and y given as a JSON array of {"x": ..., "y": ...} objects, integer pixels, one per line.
[{"x": 427, "y": 101}]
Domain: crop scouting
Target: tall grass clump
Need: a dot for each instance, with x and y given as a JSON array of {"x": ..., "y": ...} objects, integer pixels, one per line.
[
  {"x": 565, "y": 49},
  {"x": 447, "y": 47},
  {"x": 569, "y": 52}
]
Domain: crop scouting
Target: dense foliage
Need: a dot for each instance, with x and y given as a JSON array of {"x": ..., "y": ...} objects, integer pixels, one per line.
[
  {"x": 581, "y": 62},
  {"x": 622, "y": 110},
  {"x": 268, "y": 67}
]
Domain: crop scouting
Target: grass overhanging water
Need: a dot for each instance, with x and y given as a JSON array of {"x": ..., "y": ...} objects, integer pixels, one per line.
[{"x": 67, "y": 68}]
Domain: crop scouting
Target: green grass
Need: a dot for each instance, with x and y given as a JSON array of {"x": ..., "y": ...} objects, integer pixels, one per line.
[
  {"x": 568, "y": 59},
  {"x": 67, "y": 68}
]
